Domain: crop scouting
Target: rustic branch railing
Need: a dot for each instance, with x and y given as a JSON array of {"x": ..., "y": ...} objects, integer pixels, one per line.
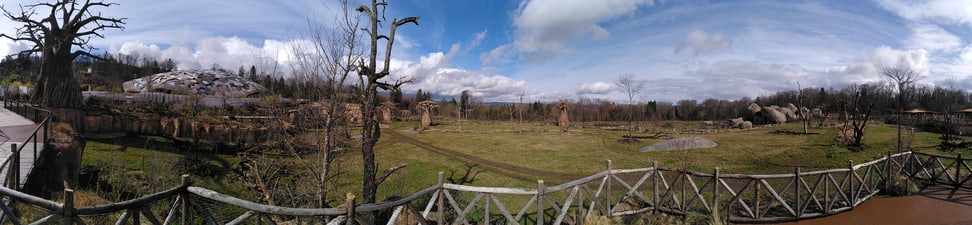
[
  {"x": 39, "y": 136},
  {"x": 612, "y": 192}
]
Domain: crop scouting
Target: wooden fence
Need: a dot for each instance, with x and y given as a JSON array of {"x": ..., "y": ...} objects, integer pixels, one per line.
[
  {"x": 10, "y": 166},
  {"x": 612, "y": 192}
]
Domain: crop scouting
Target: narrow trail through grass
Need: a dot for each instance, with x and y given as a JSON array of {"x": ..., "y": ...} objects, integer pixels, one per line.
[{"x": 512, "y": 171}]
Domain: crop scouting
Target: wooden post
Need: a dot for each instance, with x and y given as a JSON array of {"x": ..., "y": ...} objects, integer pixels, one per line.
[
  {"x": 607, "y": 196},
  {"x": 756, "y": 212},
  {"x": 850, "y": 178},
  {"x": 796, "y": 180},
  {"x": 958, "y": 170},
  {"x": 15, "y": 165},
  {"x": 350, "y": 204},
  {"x": 540, "y": 198},
  {"x": 12, "y": 169},
  {"x": 439, "y": 202},
  {"x": 47, "y": 134},
  {"x": 68, "y": 210},
  {"x": 654, "y": 178},
  {"x": 579, "y": 217},
  {"x": 888, "y": 178},
  {"x": 185, "y": 200},
  {"x": 826, "y": 194},
  {"x": 715, "y": 191}
]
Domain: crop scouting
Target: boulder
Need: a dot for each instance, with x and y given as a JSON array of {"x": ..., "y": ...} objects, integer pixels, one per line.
[
  {"x": 746, "y": 125},
  {"x": 773, "y": 116},
  {"x": 754, "y": 108},
  {"x": 789, "y": 113},
  {"x": 736, "y": 122}
]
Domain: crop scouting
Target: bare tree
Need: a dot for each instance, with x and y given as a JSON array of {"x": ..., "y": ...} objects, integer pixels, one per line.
[
  {"x": 68, "y": 24},
  {"x": 631, "y": 89},
  {"x": 370, "y": 79},
  {"x": 904, "y": 77},
  {"x": 324, "y": 67}
]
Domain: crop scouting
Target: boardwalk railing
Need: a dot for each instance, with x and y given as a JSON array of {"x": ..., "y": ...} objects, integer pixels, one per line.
[
  {"x": 612, "y": 192},
  {"x": 38, "y": 139}
]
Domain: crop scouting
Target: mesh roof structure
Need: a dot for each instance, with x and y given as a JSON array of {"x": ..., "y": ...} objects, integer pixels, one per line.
[{"x": 203, "y": 82}]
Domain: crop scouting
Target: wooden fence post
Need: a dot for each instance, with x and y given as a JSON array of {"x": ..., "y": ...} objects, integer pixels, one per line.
[
  {"x": 439, "y": 202},
  {"x": 579, "y": 217},
  {"x": 607, "y": 196},
  {"x": 715, "y": 191},
  {"x": 12, "y": 169},
  {"x": 15, "y": 165},
  {"x": 850, "y": 180},
  {"x": 185, "y": 200},
  {"x": 889, "y": 178},
  {"x": 654, "y": 183},
  {"x": 796, "y": 180},
  {"x": 958, "y": 170},
  {"x": 68, "y": 210},
  {"x": 756, "y": 209},
  {"x": 350, "y": 204},
  {"x": 540, "y": 198}
]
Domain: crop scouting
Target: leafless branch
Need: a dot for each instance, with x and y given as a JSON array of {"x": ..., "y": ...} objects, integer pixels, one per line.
[{"x": 389, "y": 172}]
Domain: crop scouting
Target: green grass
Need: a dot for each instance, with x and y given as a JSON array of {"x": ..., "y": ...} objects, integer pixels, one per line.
[
  {"x": 154, "y": 157},
  {"x": 582, "y": 152},
  {"x": 585, "y": 150}
]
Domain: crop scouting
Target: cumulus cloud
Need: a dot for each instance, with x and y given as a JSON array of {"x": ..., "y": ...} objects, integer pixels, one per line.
[
  {"x": 544, "y": 28},
  {"x": 227, "y": 53},
  {"x": 702, "y": 42},
  {"x": 734, "y": 78},
  {"x": 939, "y": 11},
  {"x": 8, "y": 47},
  {"x": 933, "y": 38},
  {"x": 596, "y": 88},
  {"x": 432, "y": 73}
]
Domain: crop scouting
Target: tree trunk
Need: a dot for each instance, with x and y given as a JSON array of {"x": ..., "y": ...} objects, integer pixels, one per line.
[
  {"x": 56, "y": 85},
  {"x": 370, "y": 134}
]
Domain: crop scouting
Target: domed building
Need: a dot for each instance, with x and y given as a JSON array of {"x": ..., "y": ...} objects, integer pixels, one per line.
[{"x": 203, "y": 82}]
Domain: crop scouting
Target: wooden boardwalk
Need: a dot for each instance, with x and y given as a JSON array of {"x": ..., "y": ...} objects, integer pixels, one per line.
[{"x": 18, "y": 129}]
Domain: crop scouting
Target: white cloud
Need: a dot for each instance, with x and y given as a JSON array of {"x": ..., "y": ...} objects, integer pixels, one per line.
[
  {"x": 433, "y": 74},
  {"x": 544, "y": 28},
  {"x": 228, "y": 53},
  {"x": 596, "y": 88},
  {"x": 933, "y": 38},
  {"x": 478, "y": 39},
  {"x": 941, "y": 11},
  {"x": 8, "y": 47},
  {"x": 702, "y": 42}
]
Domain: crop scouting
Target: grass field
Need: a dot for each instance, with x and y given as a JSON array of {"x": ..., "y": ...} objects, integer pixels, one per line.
[{"x": 537, "y": 148}]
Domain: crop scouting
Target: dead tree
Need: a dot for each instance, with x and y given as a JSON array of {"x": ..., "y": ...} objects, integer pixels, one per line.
[
  {"x": 904, "y": 77},
  {"x": 67, "y": 24},
  {"x": 631, "y": 88},
  {"x": 370, "y": 80}
]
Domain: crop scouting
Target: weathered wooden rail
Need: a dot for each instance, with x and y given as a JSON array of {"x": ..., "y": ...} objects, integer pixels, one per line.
[
  {"x": 11, "y": 166},
  {"x": 612, "y": 192}
]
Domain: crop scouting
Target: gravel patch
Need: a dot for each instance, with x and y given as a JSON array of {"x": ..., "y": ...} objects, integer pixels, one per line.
[{"x": 687, "y": 143}]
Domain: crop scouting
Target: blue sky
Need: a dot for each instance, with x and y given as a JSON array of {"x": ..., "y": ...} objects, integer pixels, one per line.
[{"x": 564, "y": 49}]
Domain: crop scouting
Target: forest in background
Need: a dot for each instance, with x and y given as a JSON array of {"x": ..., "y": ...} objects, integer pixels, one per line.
[{"x": 108, "y": 75}]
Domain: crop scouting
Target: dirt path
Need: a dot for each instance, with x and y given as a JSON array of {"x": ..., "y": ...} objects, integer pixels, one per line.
[
  {"x": 516, "y": 172},
  {"x": 934, "y": 205}
]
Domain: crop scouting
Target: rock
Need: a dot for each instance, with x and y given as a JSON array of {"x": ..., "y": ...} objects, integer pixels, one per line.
[
  {"x": 736, "y": 122},
  {"x": 790, "y": 114},
  {"x": 686, "y": 143},
  {"x": 746, "y": 125},
  {"x": 772, "y": 115},
  {"x": 754, "y": 108},
  {"x": 564, "y": 121}
]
